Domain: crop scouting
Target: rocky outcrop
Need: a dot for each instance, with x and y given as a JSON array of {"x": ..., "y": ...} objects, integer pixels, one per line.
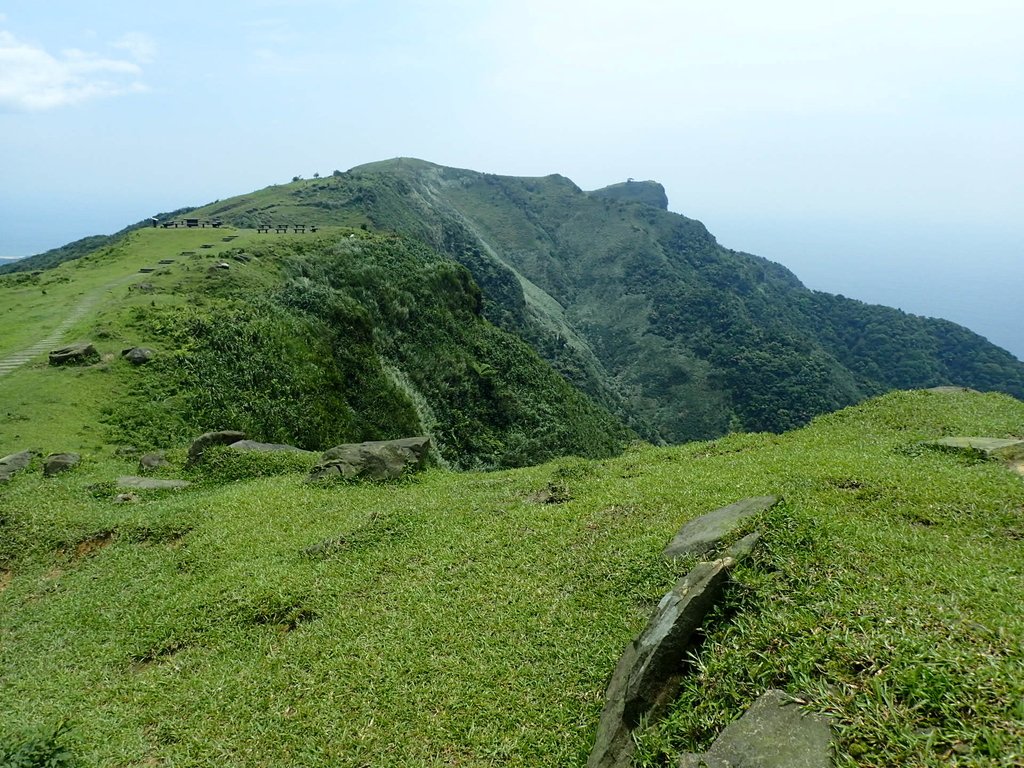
[
  {"x": 15, "y": 462},
  {"x": 773, "y": 733},
  {"x": 706, "y": 532},
  {"x": 56, "y": 463},
  {"x": 210, "y": 439},
  {"x": 75, "y": 354},
  {"x": 646, "y": 673},
  {"x": 377, "y": 460}
]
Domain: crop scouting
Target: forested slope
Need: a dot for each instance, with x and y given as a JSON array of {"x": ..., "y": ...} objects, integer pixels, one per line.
[{"x": 641, "y": 307}]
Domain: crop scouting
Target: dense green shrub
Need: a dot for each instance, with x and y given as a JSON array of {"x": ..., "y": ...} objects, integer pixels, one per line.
[
  {"x": 360, "y": 338},
  {"x": 40, "y": 749},
  {"x": 223, "y": 464}
]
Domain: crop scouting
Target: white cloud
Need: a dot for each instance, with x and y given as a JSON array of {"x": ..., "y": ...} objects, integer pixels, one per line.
[
  {"x": 32, "y": 79},
  {"x": 139, "y": 46}
]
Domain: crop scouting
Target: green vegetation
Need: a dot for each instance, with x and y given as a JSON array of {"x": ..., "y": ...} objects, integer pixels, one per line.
[
  {"x": 473, "y": 617},
  {"x": 308, "y": 340},
  {"x": 455, "y": 617},
  {"x": 82, "y": 247},
  {"x": 641, "y": 308},
  {"x": 322, "y": 340},
  {"x": 37, "y": 750}
]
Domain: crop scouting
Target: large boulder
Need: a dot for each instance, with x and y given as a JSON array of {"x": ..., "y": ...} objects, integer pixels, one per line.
[
  {"x": 75, "y": 354},
  {"x": 210, "y": 439},
  {"x": 15, "y": 462},
  {"x": 56, "y": 463},
  {"x": 646, "y": 673},
  {"x": 138, "y": 355},
  {"x": 376, "y": 460}
]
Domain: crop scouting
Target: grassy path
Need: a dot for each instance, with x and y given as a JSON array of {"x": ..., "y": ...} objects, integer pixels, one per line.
[{"x": 13, "y": 361}]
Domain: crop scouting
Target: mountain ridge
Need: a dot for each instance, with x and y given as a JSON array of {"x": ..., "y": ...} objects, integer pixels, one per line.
[
  {"x": 681, "y": 337},
  {"x": 640, "y": 307}
]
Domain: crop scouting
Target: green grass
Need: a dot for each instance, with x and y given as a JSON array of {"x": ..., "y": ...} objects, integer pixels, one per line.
[
  {"x": 452, "y": 620},
  {"x": 36, "y": 304},
  {"x": 254, "y": 619},
  {"x": 53, "y": 409}
]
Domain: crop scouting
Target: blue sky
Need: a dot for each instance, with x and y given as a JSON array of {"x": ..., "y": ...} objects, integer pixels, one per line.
[{"x": 875, "y": 148}]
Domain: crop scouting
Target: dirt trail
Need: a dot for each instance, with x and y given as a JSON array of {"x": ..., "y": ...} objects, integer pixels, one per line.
[{"x": 51, "y": 341}]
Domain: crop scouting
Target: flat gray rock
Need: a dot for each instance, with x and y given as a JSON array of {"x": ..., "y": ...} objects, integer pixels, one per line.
[
  {"x": 706, "y": 532},
  {"x": 661, "y": 647},
  {"x": 742, "y": 548},
  {"x": 989, "y": 447},
  {"x": 56, "y": 463},
  {"x": 690, "y": 760},
  {"x": 151, "y": 483},
  {"x": 13, "y": 463},
  {"x": 774, "y": 733},
  {"x": 252, "y": 445}
]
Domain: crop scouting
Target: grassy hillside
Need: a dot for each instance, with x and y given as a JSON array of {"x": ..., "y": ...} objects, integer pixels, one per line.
[
  {"x": 79, "y": 248},
  {"x": 641, "y": 308},
  {"x": 313, "y": 340},
  {"x": 457, "y": 619}
]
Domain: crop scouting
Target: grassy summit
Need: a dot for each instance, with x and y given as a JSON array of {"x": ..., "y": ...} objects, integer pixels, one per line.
[{"x": 456, "y": 619}]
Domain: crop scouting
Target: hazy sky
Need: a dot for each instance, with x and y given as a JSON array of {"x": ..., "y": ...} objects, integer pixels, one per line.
[{"x": 875, "y": 148}]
